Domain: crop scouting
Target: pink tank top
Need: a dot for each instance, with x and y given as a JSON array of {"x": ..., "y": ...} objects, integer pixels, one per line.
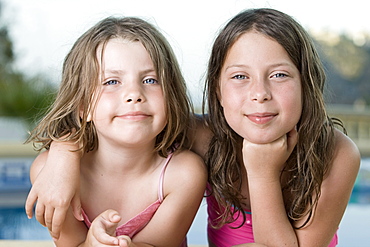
[
  {"x": 137, "y": 223},
  {"x": 228, "y": 234}
]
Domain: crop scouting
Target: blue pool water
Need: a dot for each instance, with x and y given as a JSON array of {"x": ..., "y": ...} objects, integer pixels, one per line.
[
  {"x": 14, "y": 224},
  {"x": 354, "y": 229}
]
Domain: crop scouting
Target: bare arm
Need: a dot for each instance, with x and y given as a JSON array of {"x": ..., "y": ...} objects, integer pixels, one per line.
[
  {"x": 264, "y": 163},
  {"x": 56, "y": 187},
  {"x": 200, "y": 136},
  {"x": 184, "y": 186},
  {"x": 335, "y": 193},
  {"x": 269, "y": 215},
  {"x": 55, "y": 178}
]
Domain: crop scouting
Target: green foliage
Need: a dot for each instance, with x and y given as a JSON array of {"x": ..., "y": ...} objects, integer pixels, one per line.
[
  {"x": 348, "y": 58},
  {"x": 20, "y": 96},
  {"x": 25, "y": 98},
  {"x": 347, "y": 63}
]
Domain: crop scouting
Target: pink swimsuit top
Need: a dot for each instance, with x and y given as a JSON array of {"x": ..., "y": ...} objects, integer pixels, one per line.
[
  {"x": 137, "y": 223},
  {"x": 228, "y": 234}
]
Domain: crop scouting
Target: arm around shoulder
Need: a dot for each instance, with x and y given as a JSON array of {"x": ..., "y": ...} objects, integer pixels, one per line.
[
  {"x": 55, "y": 177},
  {"x": 37, "y": 165}
]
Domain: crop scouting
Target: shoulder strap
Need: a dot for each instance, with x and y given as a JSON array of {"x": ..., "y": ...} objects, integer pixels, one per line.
[{"x": 161, "y": 178}]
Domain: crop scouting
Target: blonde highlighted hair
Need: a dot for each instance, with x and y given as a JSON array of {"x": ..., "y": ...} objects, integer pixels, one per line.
[{"x": 67, "y": 118}]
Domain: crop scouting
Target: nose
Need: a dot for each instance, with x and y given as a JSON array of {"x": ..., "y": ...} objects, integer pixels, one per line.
[
  {"x": 260, "y": 91},
  {"x": 133, "y": 94},
  {"x": 133, "y": 100}
]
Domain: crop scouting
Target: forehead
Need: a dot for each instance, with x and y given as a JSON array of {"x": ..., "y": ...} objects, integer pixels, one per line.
[
  {"x": 254, "y": 49},
  {"x": 118, "y": 53}
]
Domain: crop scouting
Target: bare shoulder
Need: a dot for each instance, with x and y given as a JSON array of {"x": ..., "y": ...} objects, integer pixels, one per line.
[
  {"x": 186, "y": 168},
  {"x": 345, "y": 164},
  {"x": 38, "y": 164},
  {"x": 188, "y": 162},
  {"x": 346, "y": 152}
]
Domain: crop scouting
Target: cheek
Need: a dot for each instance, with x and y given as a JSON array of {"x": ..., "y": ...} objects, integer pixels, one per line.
[
  {"x": 103, "y": 107},
  {"x": 294, "y": 107},
  {"x": 228, "y": 97}
]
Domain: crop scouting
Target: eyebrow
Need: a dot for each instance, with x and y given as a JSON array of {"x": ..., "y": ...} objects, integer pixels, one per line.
[
  {"x": 120, "y": 72},
  {"x": 235, "y": 66},
  {"x": 274, "y": 65},
  {"x": 282, "y": 64}
]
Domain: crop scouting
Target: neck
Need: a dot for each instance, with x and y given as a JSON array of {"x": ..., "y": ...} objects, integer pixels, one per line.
[{"x": 114, "y": 159}]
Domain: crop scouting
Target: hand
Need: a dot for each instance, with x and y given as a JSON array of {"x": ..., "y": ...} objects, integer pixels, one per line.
[
  {"x": 103, "y": 229},
  {"x": 263, "y": 160},
  {"x": 55, "y": 188}
]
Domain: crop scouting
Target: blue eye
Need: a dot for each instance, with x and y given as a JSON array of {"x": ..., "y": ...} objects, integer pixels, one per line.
[
  {"x": 111, "y": 82},
  {"x": 239, "y": 77},
  {"x": 279, "y": 75},
  {"x": 150, "y": 81}
]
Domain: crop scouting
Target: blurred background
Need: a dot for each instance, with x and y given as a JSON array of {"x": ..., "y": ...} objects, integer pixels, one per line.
[{"x": 36, "y": 35}]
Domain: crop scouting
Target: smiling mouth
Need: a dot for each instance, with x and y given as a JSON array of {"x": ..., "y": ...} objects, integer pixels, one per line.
[
  {"x": 134, "y": 116},
  {"x": 262, "y": 118}
]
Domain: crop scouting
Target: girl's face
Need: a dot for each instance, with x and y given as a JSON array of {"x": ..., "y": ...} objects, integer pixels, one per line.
[
  {"x": 260, "y": 89},
  {"x": 131, "y": 108}
]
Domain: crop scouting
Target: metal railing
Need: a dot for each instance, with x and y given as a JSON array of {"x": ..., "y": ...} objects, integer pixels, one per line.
[{"x": 357, "y": 123}]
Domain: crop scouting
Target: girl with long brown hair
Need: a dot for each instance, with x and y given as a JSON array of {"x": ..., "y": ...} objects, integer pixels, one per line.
[{"x": 279, "y": 171}]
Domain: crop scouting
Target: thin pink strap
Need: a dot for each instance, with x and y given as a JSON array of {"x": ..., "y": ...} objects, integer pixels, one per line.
[{"x": 161, "y": 178}]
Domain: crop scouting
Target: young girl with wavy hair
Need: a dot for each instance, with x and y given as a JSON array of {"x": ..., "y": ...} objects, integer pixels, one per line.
[
  {"x": 123, "y": 99},
  {"x": 280, "y": 161},
  {"x": 275, "y": 159}
]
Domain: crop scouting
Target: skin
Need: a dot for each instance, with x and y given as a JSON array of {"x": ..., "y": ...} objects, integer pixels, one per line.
[
  {"x": 260, "y": 91},
  {"x": 129, "y": 114}
]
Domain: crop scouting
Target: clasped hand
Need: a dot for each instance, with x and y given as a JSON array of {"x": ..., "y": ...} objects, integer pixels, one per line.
[{"x": 268, "y": 160}]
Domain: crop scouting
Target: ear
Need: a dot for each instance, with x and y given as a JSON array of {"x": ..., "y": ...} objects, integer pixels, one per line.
[
  {"x": 219, "y": 96},
  {"x": 89, "y": 116}
]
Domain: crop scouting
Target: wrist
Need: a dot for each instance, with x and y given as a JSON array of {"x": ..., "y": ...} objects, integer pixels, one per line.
[
  {"x": 264, "y": 176},
  {"x": 67, "y": 147}
]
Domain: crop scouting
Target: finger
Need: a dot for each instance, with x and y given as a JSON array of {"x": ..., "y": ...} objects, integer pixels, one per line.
[
  {"x": 103, "y": 228},
  {"x": 58, "y": 220},
  {"x": 39, "y": 212},
  {"x": 30, "y": 202},
  {"x": 124, "y": 241},
  {"x": 100, "y": 234},
  {"x": 106, "y": 239},
  {"x": 49, "y": 213},
  {"x": 114, "y": 217},
  {"x": 76, "y": 207},
  {"x": 110, "y": 219}
]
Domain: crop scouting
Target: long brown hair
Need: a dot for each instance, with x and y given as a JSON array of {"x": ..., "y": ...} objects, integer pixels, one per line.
[
  {"x": 80, "y": 77},
  {"x": 310, "y": 160}
]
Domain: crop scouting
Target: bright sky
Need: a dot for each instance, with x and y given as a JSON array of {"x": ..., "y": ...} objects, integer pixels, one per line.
[{"x": 43, "y": 31}]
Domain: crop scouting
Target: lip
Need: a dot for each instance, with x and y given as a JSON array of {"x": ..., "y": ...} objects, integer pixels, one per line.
[
  {"x": 261, "y": 118},
  {"x": 134, "y": 115}
]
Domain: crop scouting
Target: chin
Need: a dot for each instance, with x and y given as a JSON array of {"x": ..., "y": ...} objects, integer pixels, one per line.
[{"x": 259, "y": 138}]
